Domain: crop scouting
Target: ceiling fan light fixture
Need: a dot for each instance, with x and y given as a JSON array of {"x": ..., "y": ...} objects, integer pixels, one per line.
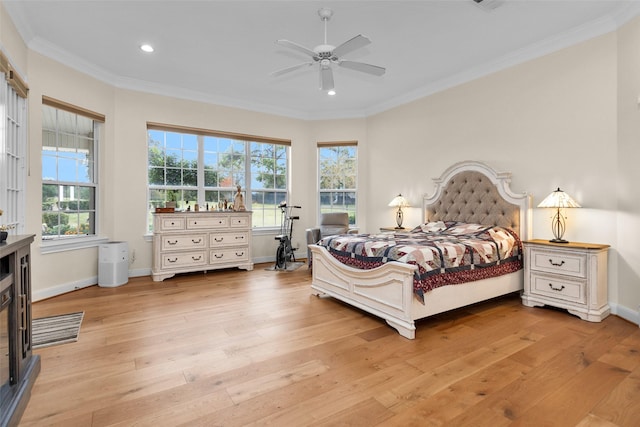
[
  {"x": 146, "y": 48},
  {"x": 331, "y": 92},
  {"x": 327, "y": 56}
]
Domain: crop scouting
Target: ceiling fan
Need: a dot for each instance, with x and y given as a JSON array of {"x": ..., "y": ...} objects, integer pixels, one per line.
[{"x": 325, "y": 55}]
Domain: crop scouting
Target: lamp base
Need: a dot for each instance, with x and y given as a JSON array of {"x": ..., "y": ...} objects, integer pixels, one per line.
[
  {"x": 399, "y": 228},
  {"x": 558, "y": 241}
]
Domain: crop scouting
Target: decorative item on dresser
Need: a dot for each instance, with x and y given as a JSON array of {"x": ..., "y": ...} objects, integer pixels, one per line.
[
  {"x": 572, "y": 276},
  {"x": 196, "y": 241}
]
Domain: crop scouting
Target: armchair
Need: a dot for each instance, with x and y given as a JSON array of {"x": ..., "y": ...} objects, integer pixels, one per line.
[{"x": 331, "y": 223}]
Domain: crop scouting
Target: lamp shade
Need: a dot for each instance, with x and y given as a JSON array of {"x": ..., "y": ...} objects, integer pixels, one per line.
[
  {"x": 399, "y": 202},
  {"x": 558, "y": 199}
]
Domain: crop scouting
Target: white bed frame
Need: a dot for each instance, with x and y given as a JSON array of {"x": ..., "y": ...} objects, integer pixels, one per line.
[{"x": 387, "y": 291}]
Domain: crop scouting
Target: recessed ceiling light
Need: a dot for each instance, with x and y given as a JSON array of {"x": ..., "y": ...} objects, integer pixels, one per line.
[
  {"x": 331, "y": 92},
  {"x": 146, "y": 48}
]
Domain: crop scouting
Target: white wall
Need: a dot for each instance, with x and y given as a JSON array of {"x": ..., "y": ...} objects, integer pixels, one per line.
[
  {"x": 628, "y": 172},
  {"x": 550, "y": 121},
  {"x": 568, "y": 119}
]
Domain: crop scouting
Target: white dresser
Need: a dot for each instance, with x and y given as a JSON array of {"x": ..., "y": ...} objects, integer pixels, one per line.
[
  {"x": 196, "y": 241},
  {"x": 571, "y": 275}
]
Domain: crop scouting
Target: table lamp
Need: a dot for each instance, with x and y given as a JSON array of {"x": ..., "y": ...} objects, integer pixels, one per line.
[
  {"x": 399, "y": 202},
  {"x": 558, "y": 200}
]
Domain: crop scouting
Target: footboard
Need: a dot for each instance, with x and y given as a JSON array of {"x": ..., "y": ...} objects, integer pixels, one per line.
[{"x": 386, "y": 291}]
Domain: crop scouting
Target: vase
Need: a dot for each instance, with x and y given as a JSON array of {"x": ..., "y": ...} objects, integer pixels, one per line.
[{"x": 3, "y": 236}]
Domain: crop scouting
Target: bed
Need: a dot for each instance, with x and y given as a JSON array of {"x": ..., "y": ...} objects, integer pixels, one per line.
[{"x": 468, "y": 192}]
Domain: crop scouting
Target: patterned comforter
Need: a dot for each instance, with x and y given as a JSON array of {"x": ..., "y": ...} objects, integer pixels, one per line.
[{"x": 446, "y": 253}]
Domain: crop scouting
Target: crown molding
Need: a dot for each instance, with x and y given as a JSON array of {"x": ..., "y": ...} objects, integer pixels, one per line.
[{"x": 544, "y": 47}]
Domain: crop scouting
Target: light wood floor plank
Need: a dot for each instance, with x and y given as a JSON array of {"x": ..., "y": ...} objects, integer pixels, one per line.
[{"x": 234, "y": 348}]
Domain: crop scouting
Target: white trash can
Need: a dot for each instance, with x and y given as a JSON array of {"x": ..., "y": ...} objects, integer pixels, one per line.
[{"x": 113, "y": 264}]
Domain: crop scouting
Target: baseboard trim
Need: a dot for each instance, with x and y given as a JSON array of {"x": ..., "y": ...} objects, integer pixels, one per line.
[
  {"x": 54, "y": 291},
  {"x": 625, "y": 312}
]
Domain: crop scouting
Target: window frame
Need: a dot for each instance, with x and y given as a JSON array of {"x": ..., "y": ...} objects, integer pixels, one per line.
[
  {"x": 57, "y": 242},
  {"x": 13, "y": 148},
  {"x": 344, "y": 191},
  {"x": 227, "y": 191}
]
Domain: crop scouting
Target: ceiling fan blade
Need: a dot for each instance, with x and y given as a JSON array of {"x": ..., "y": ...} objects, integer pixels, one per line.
[
  {"x": 365, "y": 68},
  {"x": 288, "y": 69},
  {"x": 296, "y": 46},
  {"x": 350, "y": 45},
  {"x": 326, "y": 78}
]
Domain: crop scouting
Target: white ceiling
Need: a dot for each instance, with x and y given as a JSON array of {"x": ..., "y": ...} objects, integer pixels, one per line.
[{"x": 224, "y": 51}]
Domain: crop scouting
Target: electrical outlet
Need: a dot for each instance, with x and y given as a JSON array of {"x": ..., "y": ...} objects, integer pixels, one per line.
[{"x": 133, "y": 257}]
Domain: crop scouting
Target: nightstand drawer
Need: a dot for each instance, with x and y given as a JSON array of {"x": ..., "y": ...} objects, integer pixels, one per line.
[
  {"x": 566, "y": 263},
  {"x": 558, "y": 288}
]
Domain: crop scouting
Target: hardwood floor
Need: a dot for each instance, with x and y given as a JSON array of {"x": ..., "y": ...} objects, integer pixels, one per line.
[{"x": 231, "y": 348}]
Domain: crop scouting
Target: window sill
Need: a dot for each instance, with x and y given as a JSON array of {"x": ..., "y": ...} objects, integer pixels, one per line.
[{"x": 71, "y": 244}]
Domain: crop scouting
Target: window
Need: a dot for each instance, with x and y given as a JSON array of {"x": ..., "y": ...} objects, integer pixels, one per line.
[
  {"x": 69, "y": 175},
  {"x": 189, "y": 166},
  {"x": 338, "y": 170},
  {"x": 13, "y": 143}
]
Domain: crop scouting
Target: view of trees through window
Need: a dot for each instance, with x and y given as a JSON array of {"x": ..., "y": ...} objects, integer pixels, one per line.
[
  {"x": 69, "y": 183},
  {"x": 190, "y": 168},
  {"x": 338, "y": 179}
]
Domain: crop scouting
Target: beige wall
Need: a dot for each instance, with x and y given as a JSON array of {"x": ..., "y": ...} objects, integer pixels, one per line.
[
  {"x": 628, "y": 172},
  {"x": 568, "y": 119},
  {"x": 11, "y": 42}
]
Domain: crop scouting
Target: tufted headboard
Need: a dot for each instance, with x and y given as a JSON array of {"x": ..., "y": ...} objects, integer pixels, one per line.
[{"x": 473, "y": 192}]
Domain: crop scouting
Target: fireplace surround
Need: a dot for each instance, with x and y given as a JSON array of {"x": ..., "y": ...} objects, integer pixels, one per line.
[{"x": 19, "y": 367}]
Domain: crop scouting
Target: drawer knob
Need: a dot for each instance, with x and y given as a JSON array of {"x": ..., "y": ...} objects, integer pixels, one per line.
[
  {"x": 556, "y": 289},
  {"x": 175, "y": 242},
  {"x": 556, "y": 264},
  {"x": 198, "y": 258},
  {"x": 239, "y": 237},
  {"x": 218, "y": 239},
  {"x": 172, "y": 260},
  {"x": 239, "y": 254},
  {"x": 196, "y": 241},
  {"x": 219, "y": 256}
]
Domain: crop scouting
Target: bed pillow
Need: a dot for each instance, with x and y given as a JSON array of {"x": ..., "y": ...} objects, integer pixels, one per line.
[
  {"x": 464, "y": 228},
  {"x": 431, "y": 227}
]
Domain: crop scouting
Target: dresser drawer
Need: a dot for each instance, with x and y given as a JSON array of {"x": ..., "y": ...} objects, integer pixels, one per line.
[
  {"x": 566, "y": 263},
  {"x": 200, "y": 223},
  {"x": 559, "y": 288},
  {"x": 223, "y": 256},
  {"x": 172, "y": 223},
  {"x": 183, "y": 259},
  {"x": 228, "y": 239},
  {"x": 240, "y": 222},
  {"x": 179, "y": 242}
]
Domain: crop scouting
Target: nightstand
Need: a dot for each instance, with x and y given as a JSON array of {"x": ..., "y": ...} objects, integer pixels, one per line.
[{"x": 571, "y": 275}]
